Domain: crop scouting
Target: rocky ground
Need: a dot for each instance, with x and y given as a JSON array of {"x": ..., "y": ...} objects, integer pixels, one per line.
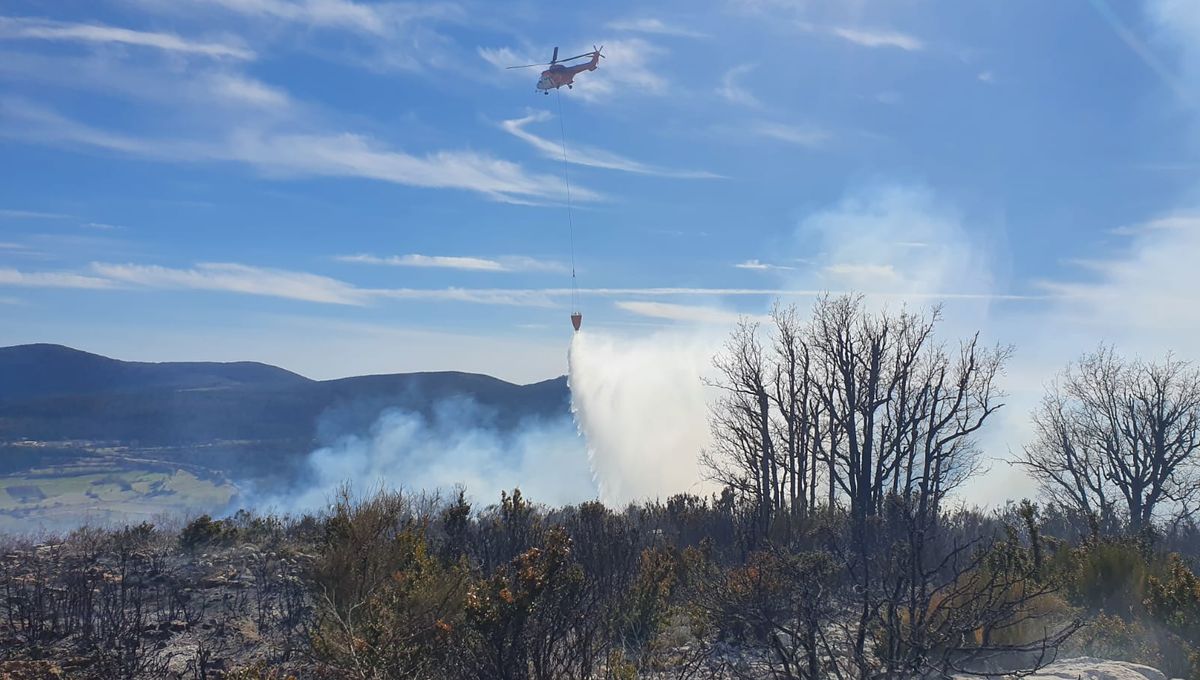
[{"x": 142, "y": 607}]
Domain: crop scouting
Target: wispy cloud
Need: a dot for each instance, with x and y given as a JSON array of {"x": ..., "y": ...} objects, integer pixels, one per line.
[
  {"x": 228, "y": 277},
  {"x": 323, "y": 13},
  {"x": 731, "y": 90},
  {"x": 512, "y": 263},
  {"x": 14, "y": 277},
  {"x": 279, "y": 283},
  {"x": 792, "y": 134},
  {"x": 1145, "y": 292},
  {"x": 654, "y": 26},
  {"x": 634, "y": 67},
  {"x": 29, "y": 122},
  {"x": 865, "y": 275},
  {"x": 757, "y": 265},
  {"x": 481, "y": 296},
  {"x": 1159, "y": 11},
  {"x": 238, "y": 88},
  {"x": 1168, "y": 222},
  {"x": 590, "y": 156},
  {"x": 236, "y": 278},
  {"x": 867, "y": 37},
  {"x": 22, "y": 250},
  {"x": 252, "y": 280},
  {"x": 752, "y": 264},
  {"x": 190, "y": 91},
  {"x": 387, "y": 35},
  {"x": 504, "y": 57},
  {"x": 324, "y": 154},
  {"x": 216, "y": 114},
  {"x": 13, "y": 28},
  {"x": 31, "y": 215},
  {"x": 378, "y": 19},
  {"x": 761, "y": 266},
  {"x": 873, "y": 38},
  {"x": 930, "y": 294},
  {"x": 353, "y": 155},
  {"x": 676, "y": 312},
  {"x": 435, "y": 261}
]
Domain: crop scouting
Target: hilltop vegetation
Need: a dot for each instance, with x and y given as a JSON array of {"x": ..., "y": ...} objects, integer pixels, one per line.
[{"x": 399, "y": 586}]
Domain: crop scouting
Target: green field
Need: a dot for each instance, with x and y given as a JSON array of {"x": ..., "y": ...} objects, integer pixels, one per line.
[{"x": 65, "y": 496}]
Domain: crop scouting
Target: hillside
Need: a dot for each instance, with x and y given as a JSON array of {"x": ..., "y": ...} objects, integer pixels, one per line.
[
  {"x": 42, "y": 370},
  {"x": 245, "y": 419}
]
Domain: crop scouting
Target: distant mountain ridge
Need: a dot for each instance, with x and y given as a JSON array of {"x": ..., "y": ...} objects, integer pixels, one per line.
[
  {"x": 241, "y": 417},
  {"x": 42, "y": 370}
]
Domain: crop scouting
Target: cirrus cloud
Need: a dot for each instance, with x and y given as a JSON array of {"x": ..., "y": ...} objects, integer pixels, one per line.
[
  {"x": 590, "y": 156},
  {"x": 506, "y": 263},
  {"x": 12, "y": 28}
]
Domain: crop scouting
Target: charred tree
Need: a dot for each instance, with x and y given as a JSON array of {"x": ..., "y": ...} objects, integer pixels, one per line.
[{"x": 1118, "y": 440}]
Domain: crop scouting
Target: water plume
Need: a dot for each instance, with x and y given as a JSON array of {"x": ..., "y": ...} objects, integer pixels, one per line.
[{"x": 642, "y": 406}]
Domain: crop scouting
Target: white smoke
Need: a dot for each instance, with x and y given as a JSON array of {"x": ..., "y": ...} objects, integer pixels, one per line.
[
  {"x": 458, "y": 444},
  {"x": 643, "y": 408}
]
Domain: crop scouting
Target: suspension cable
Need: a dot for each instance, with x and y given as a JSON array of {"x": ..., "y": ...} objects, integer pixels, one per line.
[{"x": 570, "y": 217}]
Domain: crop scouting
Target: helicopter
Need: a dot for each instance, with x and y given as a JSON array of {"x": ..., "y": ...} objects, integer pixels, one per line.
[{"x": 558, "y": 75}]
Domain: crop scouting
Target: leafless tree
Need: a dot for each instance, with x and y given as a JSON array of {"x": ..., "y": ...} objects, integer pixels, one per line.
[
  {"x": 871, "y": 398},
  {"x": 1119, "y": 440},
  {"x": 906, "y": 408},
  {"x": 885, "y": 415},
  {"x": 744, "y": 451}
]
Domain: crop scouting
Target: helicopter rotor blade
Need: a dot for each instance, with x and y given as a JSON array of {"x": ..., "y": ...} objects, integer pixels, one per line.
[
  {"x": 554, "y": 57},
  {"x": 526, "y": 66},
  {"x": 578, "y": 56}
]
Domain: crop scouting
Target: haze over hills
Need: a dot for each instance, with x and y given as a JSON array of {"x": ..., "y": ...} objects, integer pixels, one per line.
[
  {"x": 243, "y": 419},
  {"x": 52, "y": 391}
]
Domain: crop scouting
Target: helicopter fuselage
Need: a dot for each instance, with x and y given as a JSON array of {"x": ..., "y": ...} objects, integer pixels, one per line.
[{"x": 558, "y": 75}]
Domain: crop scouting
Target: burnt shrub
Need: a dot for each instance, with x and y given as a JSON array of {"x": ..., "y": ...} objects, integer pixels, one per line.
[{"x": 204, "y": 531}]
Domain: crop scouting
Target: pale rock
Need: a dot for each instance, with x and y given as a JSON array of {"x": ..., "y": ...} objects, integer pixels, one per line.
[{"x": 1089, "y": 668}]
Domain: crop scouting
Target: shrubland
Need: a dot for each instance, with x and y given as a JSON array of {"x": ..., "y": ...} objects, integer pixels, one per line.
[
  {"x": 393, "y": 585},
  {"x": 838, "y": 545}
]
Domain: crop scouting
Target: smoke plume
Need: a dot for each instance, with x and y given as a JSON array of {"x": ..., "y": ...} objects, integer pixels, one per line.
[{"x": 457, "y": 444}]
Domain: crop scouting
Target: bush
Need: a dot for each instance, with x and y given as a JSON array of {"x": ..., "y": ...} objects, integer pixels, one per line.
[
  {"x": 204, "y": 531},
  {"x": 1108, "y": 577},
  {"x": 387, "y": 607},
  {"x": 1145, "y": 609},
  {"x": 1174, "y": 600}
]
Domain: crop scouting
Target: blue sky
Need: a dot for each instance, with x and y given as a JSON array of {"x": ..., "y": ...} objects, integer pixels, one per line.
[{"x": 344, "y": 187}]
